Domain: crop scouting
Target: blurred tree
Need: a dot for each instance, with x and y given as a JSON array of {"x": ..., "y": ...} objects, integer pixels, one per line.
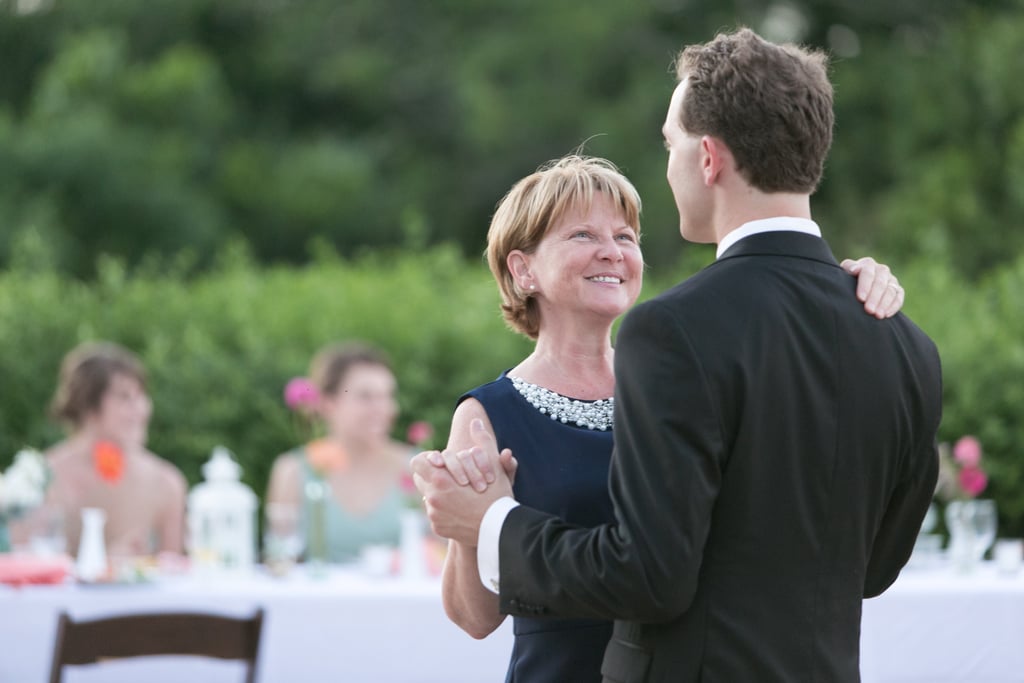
[
  {"x": 933, "y": 133},
  {"x": 172, "y": 125}
]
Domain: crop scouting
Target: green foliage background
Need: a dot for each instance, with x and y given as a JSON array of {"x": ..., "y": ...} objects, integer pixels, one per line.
[
  {"x": 220, "y": 347},
  {"x": 226, "y": 185}
]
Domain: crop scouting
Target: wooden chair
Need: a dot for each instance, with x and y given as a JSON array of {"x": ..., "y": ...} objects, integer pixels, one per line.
[{"x": 141, "y": 635}]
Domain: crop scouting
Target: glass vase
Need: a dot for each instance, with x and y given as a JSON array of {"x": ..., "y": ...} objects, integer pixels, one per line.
[
  {"x": 316, "y": 527},
  {"x": 5, "y": 538},
  {"x": 972, "y": 530}
]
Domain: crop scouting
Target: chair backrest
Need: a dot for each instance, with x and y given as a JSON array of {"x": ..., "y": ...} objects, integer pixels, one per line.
[{"x": 140, "y": 635}]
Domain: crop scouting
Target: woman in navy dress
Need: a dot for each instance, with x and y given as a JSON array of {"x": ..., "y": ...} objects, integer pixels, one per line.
[{"x": 564, "y": 248}]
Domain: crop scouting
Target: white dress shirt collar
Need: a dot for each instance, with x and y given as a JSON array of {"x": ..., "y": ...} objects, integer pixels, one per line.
[{"x": 804, "y": 225}]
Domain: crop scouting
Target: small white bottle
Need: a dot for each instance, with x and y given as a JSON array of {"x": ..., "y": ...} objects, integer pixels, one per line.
[{"x": 91, "y": 564}]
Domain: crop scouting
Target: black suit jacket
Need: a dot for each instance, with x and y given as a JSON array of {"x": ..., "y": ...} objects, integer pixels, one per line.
[{"x": 775, "y": 455}]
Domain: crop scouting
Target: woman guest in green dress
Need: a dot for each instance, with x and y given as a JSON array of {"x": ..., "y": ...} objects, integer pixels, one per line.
[{"x": 357, "y": 466}]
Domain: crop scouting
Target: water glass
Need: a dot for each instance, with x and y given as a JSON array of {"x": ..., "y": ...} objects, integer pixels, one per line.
[
  {"x": 47, "y": 538},
  {"x": 972, "y": 530},
  {"x": 985, "y": 525},
  {"x": 1009, "y": 556},
  {"x": 927, "y": 552},
  {"x": 282, "y": 537}
]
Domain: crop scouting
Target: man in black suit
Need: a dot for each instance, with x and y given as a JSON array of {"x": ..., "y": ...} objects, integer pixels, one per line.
[{"x": 775, "y": 447}]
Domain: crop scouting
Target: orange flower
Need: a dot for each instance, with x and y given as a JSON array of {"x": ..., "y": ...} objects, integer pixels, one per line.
[
  {"x": 108, "y": 460},
  {"x": 326, "y": 456}
]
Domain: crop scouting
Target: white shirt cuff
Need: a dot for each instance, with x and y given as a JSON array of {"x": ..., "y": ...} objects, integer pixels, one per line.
[{"x": 487, "y": 550}]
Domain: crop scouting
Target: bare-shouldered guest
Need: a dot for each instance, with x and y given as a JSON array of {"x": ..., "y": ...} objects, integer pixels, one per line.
[{"x": 102, "y": 400}]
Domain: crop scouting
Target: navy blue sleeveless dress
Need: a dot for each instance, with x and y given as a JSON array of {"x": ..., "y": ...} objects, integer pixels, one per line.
[{"x": 563, "y": 469}]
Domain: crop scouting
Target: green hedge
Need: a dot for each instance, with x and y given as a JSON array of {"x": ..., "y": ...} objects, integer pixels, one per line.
[
  {"x": 979, "y": 328},
  {"x": 220, "y": 348}
]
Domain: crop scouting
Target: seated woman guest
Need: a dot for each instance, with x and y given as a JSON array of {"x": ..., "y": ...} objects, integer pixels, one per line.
[
  {"x": 103, "y": 463},
  {"x": 357, "y": 464}
]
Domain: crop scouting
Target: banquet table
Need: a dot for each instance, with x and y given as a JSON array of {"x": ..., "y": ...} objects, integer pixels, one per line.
[
  {"x": 931, "y": 626},
  {"x": 344, "y": 626},
  {"x": 937, "y": 626}
]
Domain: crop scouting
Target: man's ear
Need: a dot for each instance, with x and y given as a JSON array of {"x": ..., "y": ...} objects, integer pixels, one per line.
[{"x": 714, "y": 156}]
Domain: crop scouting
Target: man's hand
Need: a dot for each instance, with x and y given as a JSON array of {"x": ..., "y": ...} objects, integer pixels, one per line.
[{"x": 455, "y": 510}]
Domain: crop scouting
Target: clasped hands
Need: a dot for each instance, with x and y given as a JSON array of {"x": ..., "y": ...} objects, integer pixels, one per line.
[{"x": 459, "y": 486}]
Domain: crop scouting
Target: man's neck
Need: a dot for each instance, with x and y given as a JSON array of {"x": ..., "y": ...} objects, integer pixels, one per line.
[
  {"x": 758, "y": 206},
  {"x": 779, "y": 223}
]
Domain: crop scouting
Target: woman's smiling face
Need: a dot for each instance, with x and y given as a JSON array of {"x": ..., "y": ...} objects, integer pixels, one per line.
[{"x": 588, "y": 263}]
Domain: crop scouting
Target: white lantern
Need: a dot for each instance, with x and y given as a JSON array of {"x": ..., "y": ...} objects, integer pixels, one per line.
[{"x": 222, "y": 517}]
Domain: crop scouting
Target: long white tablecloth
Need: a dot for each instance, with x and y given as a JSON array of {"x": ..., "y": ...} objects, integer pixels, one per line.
[
  {"x": 930, "y": 627},
  {"x": 939, "y": 627},
  {"x": 346, "y": 627}
]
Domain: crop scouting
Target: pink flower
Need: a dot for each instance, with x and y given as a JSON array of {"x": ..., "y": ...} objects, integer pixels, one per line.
[
  {"x": 301, "y": 394},
  {"x": 410, "y": 495},
  {"x": 419, "y": 432},
  {"x": 967, "y": 452},
  {"x": 972, "y": 480}
]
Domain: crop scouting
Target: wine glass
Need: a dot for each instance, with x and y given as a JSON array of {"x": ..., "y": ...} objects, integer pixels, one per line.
[{"x": 282, "y": 537}]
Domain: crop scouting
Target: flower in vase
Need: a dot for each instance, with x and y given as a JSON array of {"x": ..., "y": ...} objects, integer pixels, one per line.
[
  {"x": 410, "y": 495},
  {"x": 326, "y": 456},
  {"x": 23, "y": 485},
  {"x": 303, "y": 398},
  {"x": 960, "y": 472},
  {"x": 419, "y": 432},
  {"x": 967, "y": 452},
  {"x": 301, "y": 395},
  {"x": 972, "y": 481}
]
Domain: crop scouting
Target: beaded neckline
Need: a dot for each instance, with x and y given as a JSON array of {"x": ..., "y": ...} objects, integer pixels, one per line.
[{"x": 597, "y": 414}]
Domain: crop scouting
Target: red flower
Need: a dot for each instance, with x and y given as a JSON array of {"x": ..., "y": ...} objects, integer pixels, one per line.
[
  {"x": 961, "y": 475},
  {"x": 972, "y": 480},
  {"x": 108, "y": 460}
]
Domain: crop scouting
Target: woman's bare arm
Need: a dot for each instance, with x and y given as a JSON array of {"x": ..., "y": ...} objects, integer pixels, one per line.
[{"x": 467, "y": 603}]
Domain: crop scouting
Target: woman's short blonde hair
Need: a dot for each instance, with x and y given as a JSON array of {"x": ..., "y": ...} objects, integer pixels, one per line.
[{"x": 536, "y": 203}]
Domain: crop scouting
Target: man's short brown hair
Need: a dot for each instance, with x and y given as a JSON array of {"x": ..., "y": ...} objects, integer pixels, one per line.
[{"x": 770, "y": 104}]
